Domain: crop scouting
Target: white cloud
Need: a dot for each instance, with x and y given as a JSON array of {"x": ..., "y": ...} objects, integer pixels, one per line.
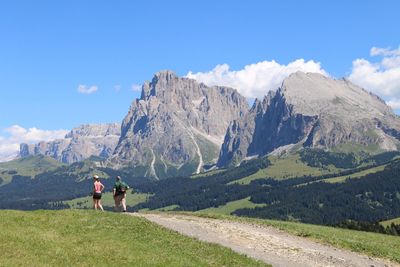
[
  {"x": 15, "y": 135},
  {"x": 378, "y": 51},
  {"x": 382, "y": 77},
  {"x": 136, "y": 87},
  {"x": 394, "y": 103},
  {"x": 83, "y": 89},
  {"x": 255, "y": 80}
]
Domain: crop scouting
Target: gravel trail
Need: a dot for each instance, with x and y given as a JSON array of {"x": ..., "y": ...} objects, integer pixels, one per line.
[{"x": 264, "y": 243}]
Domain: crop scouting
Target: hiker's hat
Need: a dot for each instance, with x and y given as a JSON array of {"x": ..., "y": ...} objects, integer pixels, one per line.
[{"x": 95, "y": 176}]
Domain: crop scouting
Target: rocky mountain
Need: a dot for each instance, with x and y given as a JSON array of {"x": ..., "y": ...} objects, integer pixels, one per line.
[
  {"x": 311, "y": 110},
  {"x": 79, "y": 144},
  {"x": 177, "y": 126}
]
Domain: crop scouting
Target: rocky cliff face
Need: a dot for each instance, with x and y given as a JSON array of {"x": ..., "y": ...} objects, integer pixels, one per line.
[
  {"x": 177, "y": 126},
  {"x": 311, "y": 110},
  {"x": 79, "y": 144}
]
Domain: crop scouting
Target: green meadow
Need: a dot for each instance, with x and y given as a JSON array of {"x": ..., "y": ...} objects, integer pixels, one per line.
[{"x": 94, "y": 238}]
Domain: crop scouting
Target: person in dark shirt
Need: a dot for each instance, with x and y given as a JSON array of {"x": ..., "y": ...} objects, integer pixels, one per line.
[{"x": 119, "y": 192}]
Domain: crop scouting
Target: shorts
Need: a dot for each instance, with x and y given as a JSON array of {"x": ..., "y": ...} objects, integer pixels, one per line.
[{"x": 97, "y": 195}]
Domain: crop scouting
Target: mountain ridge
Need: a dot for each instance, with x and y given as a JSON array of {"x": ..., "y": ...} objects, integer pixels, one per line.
[
  {"x": 177, "y": 125},
  {"x": 80, "y": 143},
  {"x": 311, "y": 110}
]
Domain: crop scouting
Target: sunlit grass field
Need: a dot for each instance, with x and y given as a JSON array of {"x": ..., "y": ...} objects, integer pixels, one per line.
[
  {"x": 360, "y": 174},
  {"x": 231, "y": 206},
  {"x": 284, "y": 168},
  {"x": 90, "y": 238}
]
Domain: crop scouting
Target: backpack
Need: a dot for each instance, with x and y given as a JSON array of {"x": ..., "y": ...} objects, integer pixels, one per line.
[{"x": 123, "y": 187}]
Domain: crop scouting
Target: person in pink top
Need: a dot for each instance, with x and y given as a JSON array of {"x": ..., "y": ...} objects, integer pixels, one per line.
[{"x": 98, "y": 188}]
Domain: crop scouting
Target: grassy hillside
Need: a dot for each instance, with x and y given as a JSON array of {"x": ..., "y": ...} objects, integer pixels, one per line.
[
  {"x": 357, "y": 148},
  {"x": 89, "y": 238},
  {"x": 231, "y": 206},
  {"x": 205, "y": 174},
  {"x": 373, "y": 198},
  {"x": 38, "y": 193},
  {"x": 389, "y": 222},
  {"x": 167, "y": 208},
  {"x": 360, "y": 174},
  {"x": 29, "y": 166},
  {"x": 286, "y": 167},
  {"x": 373, "y": 244},
  {"x": 292, "y": 166}
]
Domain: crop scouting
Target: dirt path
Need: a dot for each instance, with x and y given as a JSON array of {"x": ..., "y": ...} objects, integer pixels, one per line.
[{"x": 262, "y": 242}]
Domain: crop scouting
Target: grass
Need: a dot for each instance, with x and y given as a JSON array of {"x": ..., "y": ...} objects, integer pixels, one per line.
[
  {"x": 231, "y": 206},
  {"x": 29, "y": 166},
  {"x": 162, "y": 209},
  {"x": 205, "y": 174},
  {"x": 168, "y": 208},
  {"x": 373, "y": 244},
  {"x": 341, "y": 179},
  {"x": 107, "y": 200},
  {"x": 389, "y": 222},
  {"x": 89, "y": 238},
  {"x": 284, "y": 168},
  {"x": 358, "y": 148}
]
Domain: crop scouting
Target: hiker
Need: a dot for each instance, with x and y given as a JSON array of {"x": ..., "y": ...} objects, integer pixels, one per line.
[
  {"x": 119, "y": 193},
  {"x": 98, "y": 188}
]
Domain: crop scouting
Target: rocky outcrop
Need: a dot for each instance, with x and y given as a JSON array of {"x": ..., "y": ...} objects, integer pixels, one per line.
[
  {"x": 311, "y": 110},
  {"x": 177, "y": 126},
  {"x": 79, "y": 144}
]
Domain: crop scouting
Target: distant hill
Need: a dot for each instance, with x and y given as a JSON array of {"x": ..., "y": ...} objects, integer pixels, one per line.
[
  {"x": 41, "y": 182},
  {"x": 368, "y": 192},
  {"x": 314, "y": 186},
  {"x": 28, "y": 166}
]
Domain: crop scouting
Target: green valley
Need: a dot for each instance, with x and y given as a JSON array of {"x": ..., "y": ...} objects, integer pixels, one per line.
[{"x": 231, "y": 206}]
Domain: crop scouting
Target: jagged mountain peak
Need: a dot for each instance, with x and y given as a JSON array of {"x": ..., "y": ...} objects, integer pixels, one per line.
[
  {"x": 312, "y": 110},
  {"x": 93, "y": 130},
  {"x": 165, "y": 75},
  {"x": 177, "y": 122},
  {"x": 162, "y": 79},
  {"x": 314, "y": 93}
]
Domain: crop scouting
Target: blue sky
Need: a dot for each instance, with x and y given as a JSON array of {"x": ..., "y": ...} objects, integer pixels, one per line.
[{"x": 49, "y": 48}]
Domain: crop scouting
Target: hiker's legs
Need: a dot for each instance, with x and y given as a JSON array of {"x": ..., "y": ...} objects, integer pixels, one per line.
[
  {"x": 99, "y": 205},
  {"x": 94, "y": 204},
  {"x": 117, "y": 202},
  {"x": 123, "y": 201}
]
